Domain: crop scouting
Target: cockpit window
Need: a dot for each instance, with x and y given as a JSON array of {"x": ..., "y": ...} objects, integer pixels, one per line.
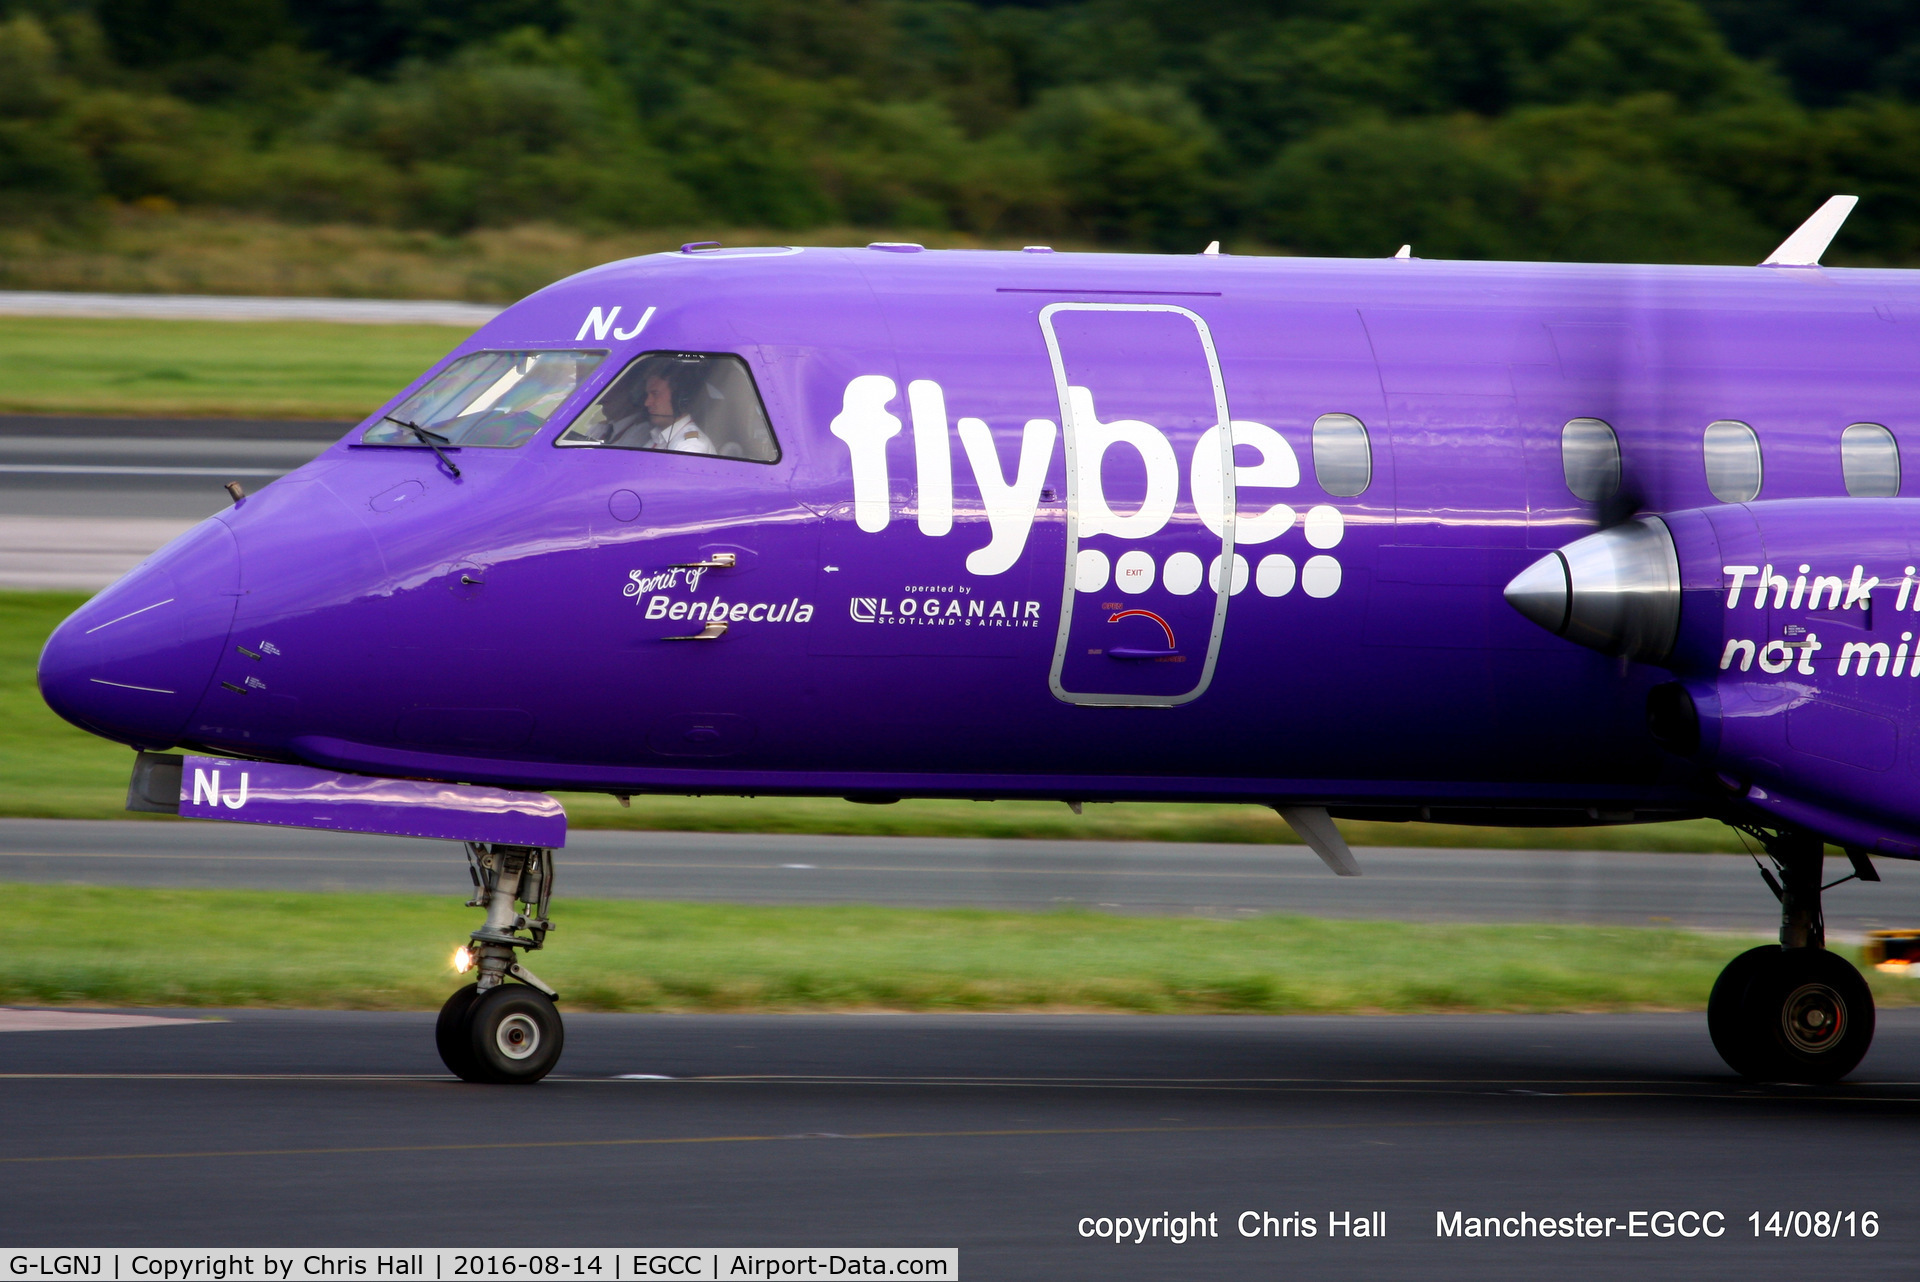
[
  {"x": 683, "y": 403},
  {"x": 495, "y": 400}
]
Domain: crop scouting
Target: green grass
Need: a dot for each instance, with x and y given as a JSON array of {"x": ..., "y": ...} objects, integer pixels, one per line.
[
  {"x": 93, "y": 945},
  {"x": 277, "y": 369},
  {"x": 49, "y": 769}
]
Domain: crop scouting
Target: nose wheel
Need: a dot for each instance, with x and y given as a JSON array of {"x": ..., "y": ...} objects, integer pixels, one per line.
[
  {"x": 509, "y": 1035},
  {"x": 1794, "y": 1012},
  {"x": 493, "y": 1030}
]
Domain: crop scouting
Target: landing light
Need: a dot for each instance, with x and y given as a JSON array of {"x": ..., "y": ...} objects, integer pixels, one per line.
[{"x": 462, "y": 959}]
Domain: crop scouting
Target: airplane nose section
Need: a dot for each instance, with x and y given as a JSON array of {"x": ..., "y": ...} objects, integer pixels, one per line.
[
  {"x": 132, "y": 663},
  {"x": 1617, "y": 591}
]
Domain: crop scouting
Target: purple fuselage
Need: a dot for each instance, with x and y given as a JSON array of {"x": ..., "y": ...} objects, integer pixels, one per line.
[{"x": 912, "y": 608}]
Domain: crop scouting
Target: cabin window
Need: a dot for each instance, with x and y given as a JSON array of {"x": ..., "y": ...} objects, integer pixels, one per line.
[
  {"x": 1870, "y": 460},
  {"x": 1342, "y": 455},
  {"x": 680, "y": 403},
  {"x": 1732, "y": 454},
  {"x": 1590, "y": 456},
  {"x": 495, "y": 400}
]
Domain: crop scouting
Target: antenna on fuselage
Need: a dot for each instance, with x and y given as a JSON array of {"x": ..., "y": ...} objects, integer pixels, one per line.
[
  {"x": 1804, "y": 247},
  {"x": 1405, "y": 251},
  {"x": 1213, "y": 249}
]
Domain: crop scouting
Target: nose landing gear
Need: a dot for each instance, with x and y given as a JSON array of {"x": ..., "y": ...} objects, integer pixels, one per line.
[
  {"x": 1795, "y": 1012},
  {"x": 491, "y": 1030}
]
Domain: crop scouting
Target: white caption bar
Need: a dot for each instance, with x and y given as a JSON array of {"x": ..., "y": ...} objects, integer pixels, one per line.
[{"x": 290, "y": 1264}]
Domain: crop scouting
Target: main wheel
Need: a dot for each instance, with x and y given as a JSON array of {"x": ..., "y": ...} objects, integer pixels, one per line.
[
  {"x": 1810, "y": 1016},
  {"x": 450, "y": 1033},
  {"x": 514, "y": 1035},
  {"x": 1726, "y": 1022}
]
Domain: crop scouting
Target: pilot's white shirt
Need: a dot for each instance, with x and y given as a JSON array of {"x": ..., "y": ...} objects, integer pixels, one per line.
[{"x": 682, "y": 435}]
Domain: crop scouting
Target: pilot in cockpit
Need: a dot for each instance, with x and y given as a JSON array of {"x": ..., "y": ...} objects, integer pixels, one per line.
[
  {"x": 681, "y": 402},
  {"x": 652, "y": 408}
]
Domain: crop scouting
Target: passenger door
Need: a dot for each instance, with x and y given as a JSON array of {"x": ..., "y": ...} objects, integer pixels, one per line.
[{"x": 1150, "y": 503}]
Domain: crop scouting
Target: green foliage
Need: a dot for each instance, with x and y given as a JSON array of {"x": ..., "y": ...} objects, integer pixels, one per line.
[
  {"x": 43, "y": 170},
  {"x": 371, "y": 36},
  {"x": 1589, "y": 182},
  {"x": 1828, "y": 52},
  {"x": 1136, "y": 163},
  {"x": 1588, "y": 129},
  {"x": 483, "y": 140}
]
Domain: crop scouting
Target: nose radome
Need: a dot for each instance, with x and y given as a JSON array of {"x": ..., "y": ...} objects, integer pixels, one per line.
[
  {"x": 132, "y": 663},
  {"x": 1617, "y": 591}
]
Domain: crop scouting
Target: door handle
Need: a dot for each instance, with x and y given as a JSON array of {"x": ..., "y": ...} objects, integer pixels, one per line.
[
  {"x": 718, "y": 561},
  {"x": 712, "y": 632},
  {"x": 1122, "y": 652}
]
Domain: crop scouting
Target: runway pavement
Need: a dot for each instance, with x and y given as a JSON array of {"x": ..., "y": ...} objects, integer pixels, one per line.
[
  {"x": 350, "y": 311},
  {"x": 1001, "y": 1135},
  {"x": 1713, "y": 892},
  {"x": 83, "y": 500}
]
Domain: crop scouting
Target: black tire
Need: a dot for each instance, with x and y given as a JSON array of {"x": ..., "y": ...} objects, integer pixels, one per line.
[
  {"x": 450, "y": 1033},
  {"x": 1727, "y": 1023},
  {"x": 1810, "y": 1015},
  {"x": 514, "y": 1035}
]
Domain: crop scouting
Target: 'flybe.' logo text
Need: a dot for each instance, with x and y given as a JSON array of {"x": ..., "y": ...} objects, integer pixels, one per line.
[{"x": 1010, "y": 496}]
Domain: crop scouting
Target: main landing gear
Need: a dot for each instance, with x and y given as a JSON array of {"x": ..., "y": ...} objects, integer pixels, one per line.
[
  {"x": 1795, "y": 1012},
  {"x": 493, "y": 1030}
]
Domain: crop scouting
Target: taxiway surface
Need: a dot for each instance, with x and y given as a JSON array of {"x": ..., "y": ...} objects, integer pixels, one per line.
[
  {"x": 1711, "y": 892},
  {"x": 993, "y": 1133},
  {"x": 83, "y": 500},
  {"x": 247, "y": 308}
]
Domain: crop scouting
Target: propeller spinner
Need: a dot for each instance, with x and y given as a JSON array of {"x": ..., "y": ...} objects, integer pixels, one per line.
[{"x": 1617, "y": 591}]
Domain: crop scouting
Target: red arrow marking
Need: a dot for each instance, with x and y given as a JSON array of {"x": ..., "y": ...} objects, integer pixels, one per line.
[{"x": 1145, "y": 614}]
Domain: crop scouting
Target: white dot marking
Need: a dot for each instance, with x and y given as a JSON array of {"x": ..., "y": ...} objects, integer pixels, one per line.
[
  {"x": 1239, "y": 575},
  {"x": 1325, "y": 526},
  {"x": 1274, "y": 575},
  {"x": 1090, "y": 570},
  {"x": 1182, "y": 574},
  {"x": 1320, "y": 576}
]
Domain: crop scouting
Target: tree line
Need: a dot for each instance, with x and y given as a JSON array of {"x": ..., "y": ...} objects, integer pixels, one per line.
[{"x": 1602, "y": 130}]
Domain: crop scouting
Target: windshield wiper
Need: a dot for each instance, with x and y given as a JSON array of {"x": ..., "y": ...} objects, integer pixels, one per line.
[{"x": 432, "y": 440}]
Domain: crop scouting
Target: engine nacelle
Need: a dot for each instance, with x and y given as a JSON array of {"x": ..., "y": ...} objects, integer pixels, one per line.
[{"x": 1791, "y": 626}]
